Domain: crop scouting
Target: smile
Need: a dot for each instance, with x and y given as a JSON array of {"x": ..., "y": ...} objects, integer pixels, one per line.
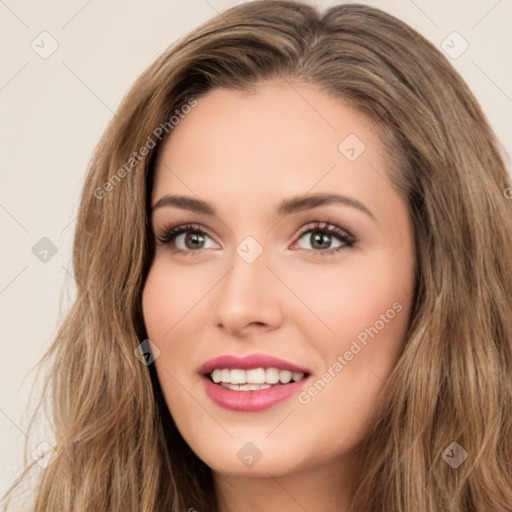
[
  {"x": 254, "y": 379},
  {"x": 252, "y": 383}
]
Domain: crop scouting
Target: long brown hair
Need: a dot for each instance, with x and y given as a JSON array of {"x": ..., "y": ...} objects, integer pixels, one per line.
[{"x": 117, "y": 446}]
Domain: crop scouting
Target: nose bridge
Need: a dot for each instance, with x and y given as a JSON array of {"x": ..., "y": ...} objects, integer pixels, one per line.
[{"x": 245, "y": 294}]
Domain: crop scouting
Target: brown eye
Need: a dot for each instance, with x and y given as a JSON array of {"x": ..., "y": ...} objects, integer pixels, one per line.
[
  {"x": 185, "y": 239},
  {"x": 195, "y": 240},
  {"x": 321, "y": 238}
]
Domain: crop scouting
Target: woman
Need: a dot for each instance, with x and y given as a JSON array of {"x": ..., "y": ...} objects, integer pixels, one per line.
[{"x": 294, "y": 283}]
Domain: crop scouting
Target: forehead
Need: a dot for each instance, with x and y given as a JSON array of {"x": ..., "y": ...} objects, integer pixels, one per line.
[{"x": 281, "y": 138}]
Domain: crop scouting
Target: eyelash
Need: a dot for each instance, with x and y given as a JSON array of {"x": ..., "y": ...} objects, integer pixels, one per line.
[{"x": 344, "y": 236}]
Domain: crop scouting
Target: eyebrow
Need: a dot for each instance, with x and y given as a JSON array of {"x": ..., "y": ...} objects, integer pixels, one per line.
[{"x": 286, "y": 207}]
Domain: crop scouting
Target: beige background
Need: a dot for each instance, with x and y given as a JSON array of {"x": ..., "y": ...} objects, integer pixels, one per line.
[{"x": 54, "y": 109}]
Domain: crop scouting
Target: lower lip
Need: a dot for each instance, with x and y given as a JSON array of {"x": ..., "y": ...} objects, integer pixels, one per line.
[{"x": 251, "y": 401}]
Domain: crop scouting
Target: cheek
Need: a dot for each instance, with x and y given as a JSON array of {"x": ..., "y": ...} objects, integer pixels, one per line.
[
  {"x": 167, "y": 306},
  {"x": 167, "y": 296},
  {"x": 354, "y": 365},
  {"x": 364, "y": 322},
  {"x": 349, "y": 301},
  {"x": 165, "y": 302}
]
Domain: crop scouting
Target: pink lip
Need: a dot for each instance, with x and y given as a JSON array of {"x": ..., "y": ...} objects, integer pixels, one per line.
[
  {"x": 250, "y": 401},
  {"x": 248, "y": 362}
]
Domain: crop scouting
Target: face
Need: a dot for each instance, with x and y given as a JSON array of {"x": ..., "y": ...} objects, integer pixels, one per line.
[{"x": 281, "y": 306}]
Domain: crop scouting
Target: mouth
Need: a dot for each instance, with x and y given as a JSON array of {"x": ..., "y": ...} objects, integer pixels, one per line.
[
  {"x": 254, "y": 379},
  {"x": 251, "y": 383}
]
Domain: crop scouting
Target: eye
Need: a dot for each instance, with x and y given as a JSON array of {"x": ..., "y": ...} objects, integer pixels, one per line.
[
  {"x": 188, "y": 239},
  {"x": 321, "y": 238}
]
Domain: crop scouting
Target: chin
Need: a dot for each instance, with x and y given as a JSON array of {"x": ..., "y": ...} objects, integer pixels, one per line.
[{"x": 253, "y": 456}]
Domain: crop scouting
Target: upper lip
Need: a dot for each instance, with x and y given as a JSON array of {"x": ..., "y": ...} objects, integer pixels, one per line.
[{"x": 249, "y": 361}]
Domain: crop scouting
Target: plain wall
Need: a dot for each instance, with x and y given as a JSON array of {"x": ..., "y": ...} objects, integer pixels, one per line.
[{"x": 53, "y": 111}]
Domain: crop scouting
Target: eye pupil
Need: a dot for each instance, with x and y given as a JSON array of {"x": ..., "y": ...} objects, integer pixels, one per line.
[
  {"x": 321, "y": 237},
  {"x": 193, "y": 237}
]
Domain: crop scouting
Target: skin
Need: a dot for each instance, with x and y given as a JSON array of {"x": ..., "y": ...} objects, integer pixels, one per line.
[{"x": 244, "y": 153}]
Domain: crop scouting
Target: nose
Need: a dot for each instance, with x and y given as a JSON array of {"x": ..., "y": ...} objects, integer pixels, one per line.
[{"x": 249, "y": 298}]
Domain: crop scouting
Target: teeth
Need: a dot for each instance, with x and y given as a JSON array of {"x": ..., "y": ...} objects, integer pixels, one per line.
[
  {"x": 245, "y": 387},
  {"x": 238, "y": 377},
  {"x": 272, "y": 375},
  {"x": 256, "y": 376},
  {"x": 253, "y": 379},
  {"x": 285, "y": 376}
]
